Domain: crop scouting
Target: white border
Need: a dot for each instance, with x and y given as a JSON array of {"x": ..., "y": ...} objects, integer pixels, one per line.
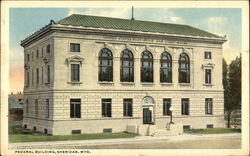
[{"x": 137, "y": 4}]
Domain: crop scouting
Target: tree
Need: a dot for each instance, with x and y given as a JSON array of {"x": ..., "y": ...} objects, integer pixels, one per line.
[{"x": 232, "y": 86}]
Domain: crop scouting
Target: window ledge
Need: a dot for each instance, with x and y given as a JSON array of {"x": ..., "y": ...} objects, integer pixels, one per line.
[
  {"x": 184, "y": 84},
  {"x": 106, "y": 82},
  {"x": 127, "y": 83},
  {"x": 167, "y": 84},
  {"x": 74, "y": 82},
  {"x": 147, "y": 83},
  {"x": 128, "y": 117},
  {"x": 166, "y": 115},
  {"x": 206, "y": 84}
]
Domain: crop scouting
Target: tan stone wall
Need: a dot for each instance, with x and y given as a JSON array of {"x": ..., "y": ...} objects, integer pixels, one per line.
[
  {"x": 90, "y": 49},
  {"x": 91, "y": 120},
  {"x": 60, "y": 90},
  {"x": 38, "y": 62}
]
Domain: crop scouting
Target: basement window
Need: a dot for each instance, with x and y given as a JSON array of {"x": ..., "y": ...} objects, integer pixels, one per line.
[
  {"x": 186, "y": 127},
  {"x": 34, "y": 128},
  {"x": 107, "y": 130},
  {"x": 45, "y": 131},
  {"x": 76, "y": 132},
  {"x": 210, "y": 126}
]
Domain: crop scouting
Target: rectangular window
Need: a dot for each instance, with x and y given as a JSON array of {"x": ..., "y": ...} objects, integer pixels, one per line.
[
  {"x": 185, "y": 106},
  {"x": 76, "y": 132},
  {"x": 208, "y": 76},
  {"x": 47, "y": 108},
  {"x": 209, "y": 106},
  {"x": 42, "y": 52},
  {"x": 28, "y": 78},
  {"x": 36, "y": 107},
  {"x": 74, "y": 47},
  {"x": 127, "y": 107},
  {"x": 42, "y": 75},
  {"x": 48, "y": 74},
  {"x": 37, "y": 53},
  {"x": 210, "y": 126},
  {"x": 186, "y": 127},
  {"x": 27, "y": 107},
  {"x": 48, "y": 48},
  {"x": 32, "y": 77},
  {"x": 106, "y": 108},
  {"x": 28, "y": 57},
  {"x": 166, "y": 106},
  {"x": 32, "y": 56},
  {"x": 37, "y": 76},
  {"x": 75, "y": 108},
  {"x": 208, "y": 55},
  {"x": 75, "y": 73}
]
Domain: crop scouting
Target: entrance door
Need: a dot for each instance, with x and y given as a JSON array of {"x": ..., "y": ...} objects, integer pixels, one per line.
[{"x": 147, "y": 116}]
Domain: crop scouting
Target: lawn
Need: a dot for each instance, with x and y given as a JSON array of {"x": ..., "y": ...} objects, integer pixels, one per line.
[
  {"x": 17, "y": 135},
  {"x": 213, "y": 131}
]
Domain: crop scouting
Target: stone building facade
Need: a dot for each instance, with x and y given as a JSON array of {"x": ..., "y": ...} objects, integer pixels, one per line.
[{"x": 104, "y": 77}]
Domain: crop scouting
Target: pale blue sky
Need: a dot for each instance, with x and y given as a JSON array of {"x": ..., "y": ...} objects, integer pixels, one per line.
[{"x": 220, "y": 21}]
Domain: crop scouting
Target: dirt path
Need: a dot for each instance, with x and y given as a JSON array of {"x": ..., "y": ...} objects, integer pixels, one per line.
[{"x": 175, "y": 142}]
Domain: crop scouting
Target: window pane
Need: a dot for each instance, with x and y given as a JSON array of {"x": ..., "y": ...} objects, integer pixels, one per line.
[
  {"x": 75, "y": 76},
  {"x": 74, "y": 47},
  {"x": 75, "y": 108},
  {"x": 185, "y": 106},
  {"x": 106, "y": 108},
  {"x": 208, "y": 76},
  {"x": 78, "y": 110},
  {"x": 184, "y": 71},
  {"x": 166, "y": 106},
  {"x": 105, "y": 65},
  {"x": 127, "y": 107}
]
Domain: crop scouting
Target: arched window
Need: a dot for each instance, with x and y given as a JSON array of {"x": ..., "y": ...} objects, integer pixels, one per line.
[
  {"x": 105, "y": 65},
  {"x": 146, "y": 67},
  {"x": 166, "y": 68},
  {"x": 184, "y": 68},
  {"x": 127, "y": 66}
]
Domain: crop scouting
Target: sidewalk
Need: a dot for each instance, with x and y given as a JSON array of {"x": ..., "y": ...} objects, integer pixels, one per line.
[{"x": 181, "y": 137}]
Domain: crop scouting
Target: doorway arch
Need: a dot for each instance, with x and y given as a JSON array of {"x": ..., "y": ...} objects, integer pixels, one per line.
[{"x": 148, "y": 104}]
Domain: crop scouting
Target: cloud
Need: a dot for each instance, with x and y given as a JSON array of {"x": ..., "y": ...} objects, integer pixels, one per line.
[
  {"x": 221, "y": 26},
  {"x": 175, "y": 19}
]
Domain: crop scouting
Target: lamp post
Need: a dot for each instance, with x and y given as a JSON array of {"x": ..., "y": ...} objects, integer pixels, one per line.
[{"x": 171, "y": 116}]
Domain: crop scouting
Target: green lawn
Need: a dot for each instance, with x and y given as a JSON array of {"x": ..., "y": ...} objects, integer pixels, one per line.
[
  {"x": 213, "y": 131},
  {"x": 17, "y": 135}
]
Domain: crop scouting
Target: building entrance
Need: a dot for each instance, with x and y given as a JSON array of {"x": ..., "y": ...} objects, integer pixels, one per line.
[{"x": 147, "y": 116}]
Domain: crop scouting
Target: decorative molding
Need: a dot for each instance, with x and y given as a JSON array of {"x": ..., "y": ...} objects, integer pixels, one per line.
[
  {"x": 74, "y": 59},
  {"x": 26, "y": 67},
  {"x": 148, "y": 100},
  {"x": 46, "y": 59},
  {"x": 208, "y": 65}
]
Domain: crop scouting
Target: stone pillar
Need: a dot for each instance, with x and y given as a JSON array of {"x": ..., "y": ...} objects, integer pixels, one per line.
[
  {"x": 137, "y": 71},
  {"x": 116, "y": 70},
  {"x": 175, "y": 71},
  {"x": 156, "y": 68}
]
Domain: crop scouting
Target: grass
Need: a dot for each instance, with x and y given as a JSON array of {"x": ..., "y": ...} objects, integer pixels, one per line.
[
  {"x": 16, "y": 134},
  {"x": 213, "y": 131}
]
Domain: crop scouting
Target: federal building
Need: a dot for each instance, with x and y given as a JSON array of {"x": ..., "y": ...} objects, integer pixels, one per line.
[{"x": 93, "y": 74}]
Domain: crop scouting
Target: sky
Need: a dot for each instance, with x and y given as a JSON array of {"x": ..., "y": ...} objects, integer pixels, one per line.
[{"x": 25, "y": 21}]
